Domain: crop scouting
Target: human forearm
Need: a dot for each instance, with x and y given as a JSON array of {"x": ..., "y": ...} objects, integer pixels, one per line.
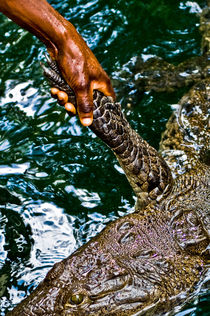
[{"x": 39, "y": 18}]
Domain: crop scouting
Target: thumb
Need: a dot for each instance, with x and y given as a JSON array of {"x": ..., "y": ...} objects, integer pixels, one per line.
[{"x": 85, "y": 107}]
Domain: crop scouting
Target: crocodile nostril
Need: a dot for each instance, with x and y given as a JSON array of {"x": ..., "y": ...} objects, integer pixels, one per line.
[{"x": 76, "y": 299}]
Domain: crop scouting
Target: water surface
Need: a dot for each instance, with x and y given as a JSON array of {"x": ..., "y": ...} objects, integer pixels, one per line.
[{"x": 67, "y": 180}]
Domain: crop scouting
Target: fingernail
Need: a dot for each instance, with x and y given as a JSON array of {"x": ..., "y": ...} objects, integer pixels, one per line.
[{"x": 86, "y": 121}]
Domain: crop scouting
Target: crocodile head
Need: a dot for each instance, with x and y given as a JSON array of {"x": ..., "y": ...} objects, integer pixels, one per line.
[
  {"x": 128, "y": 268},
  {"x": 99, "y": 285}
]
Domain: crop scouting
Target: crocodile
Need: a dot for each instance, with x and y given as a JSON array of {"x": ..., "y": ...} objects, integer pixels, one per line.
[
  {"x": 148, "y": 261},
  {"x": 142, "y": 263}
]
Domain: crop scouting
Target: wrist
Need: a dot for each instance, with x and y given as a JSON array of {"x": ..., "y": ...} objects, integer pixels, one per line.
[
  {"x": 70, "y": 43},
  {"x": 65, "y": 33}
]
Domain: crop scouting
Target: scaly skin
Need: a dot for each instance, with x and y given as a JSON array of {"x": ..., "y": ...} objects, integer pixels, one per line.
[{"x": 142, "y": 263}]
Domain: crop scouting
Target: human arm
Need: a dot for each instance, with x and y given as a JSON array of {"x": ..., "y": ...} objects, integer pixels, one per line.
[{"x": 77, "y": 63}]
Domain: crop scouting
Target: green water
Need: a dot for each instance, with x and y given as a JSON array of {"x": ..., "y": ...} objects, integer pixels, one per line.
[{"x": 69, "y": 184}]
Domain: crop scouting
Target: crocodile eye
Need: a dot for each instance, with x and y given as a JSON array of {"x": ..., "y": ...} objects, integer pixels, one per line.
[{"x": 76, "y": 299}]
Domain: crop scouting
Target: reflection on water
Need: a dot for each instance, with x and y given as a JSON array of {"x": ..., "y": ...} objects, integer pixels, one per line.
[{"x": 65, "y": 184}]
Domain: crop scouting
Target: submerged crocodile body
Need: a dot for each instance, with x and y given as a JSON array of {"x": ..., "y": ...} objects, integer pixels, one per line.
[
  {"x": 146, "y": 262},
  {"x": 156, "y": 74}
]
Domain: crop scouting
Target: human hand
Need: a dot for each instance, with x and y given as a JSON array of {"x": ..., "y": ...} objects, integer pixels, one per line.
[
  {"x": 76, "y": 62},
  {"x": 82, "y": 71}
]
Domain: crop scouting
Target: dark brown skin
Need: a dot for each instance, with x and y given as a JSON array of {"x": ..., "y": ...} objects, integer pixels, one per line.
[{"x": 76, "y": 62}]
